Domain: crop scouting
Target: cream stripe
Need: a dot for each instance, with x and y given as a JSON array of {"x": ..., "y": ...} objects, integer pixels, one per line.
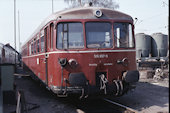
[{"x": 93, "y": 51}]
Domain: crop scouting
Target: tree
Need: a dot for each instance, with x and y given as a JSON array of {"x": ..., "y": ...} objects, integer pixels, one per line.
[{"x": 99, "y": 3}]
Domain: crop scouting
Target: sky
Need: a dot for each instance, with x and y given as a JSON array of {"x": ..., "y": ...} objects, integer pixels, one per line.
[{"x": 152, "y": 16}]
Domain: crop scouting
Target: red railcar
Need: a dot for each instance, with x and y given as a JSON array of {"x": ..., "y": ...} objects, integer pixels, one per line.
[{"x": 86, "y": 51}]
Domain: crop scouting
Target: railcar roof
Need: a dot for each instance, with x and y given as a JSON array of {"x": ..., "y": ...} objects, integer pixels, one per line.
[{"x": 82, "y": 13}]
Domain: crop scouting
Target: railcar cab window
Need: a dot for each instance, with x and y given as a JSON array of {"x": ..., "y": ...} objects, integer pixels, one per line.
[
  {"x": 123, "y": 35},
  {"x": 42, "y": 40},
  {"x": 99, "y": 35},
  {"x": 70, "y": 36}
]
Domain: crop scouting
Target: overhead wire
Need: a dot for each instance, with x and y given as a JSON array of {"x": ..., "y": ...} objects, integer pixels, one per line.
[{"x": 150, "y": 17}]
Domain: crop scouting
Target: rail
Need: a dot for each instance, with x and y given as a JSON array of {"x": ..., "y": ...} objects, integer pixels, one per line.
[{"x": 122, "y": 108}]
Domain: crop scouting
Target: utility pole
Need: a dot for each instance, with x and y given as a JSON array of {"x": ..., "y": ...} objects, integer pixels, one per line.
[
  {"x": 15, "y": 27},
  {"x": 19, "y": 32},
  {"x": 52, "y": 7},
  {"x": 165, "y": 4}
]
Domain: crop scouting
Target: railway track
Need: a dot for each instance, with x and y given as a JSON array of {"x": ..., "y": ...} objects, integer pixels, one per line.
[
  {"x": 122, "y": 108},
  {"x": 99, "y": 105}
]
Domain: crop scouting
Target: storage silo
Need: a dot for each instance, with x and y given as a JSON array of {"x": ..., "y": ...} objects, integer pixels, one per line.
[
  {"x": 143, "y": 45},
  {"x": 159, "y": 45}
]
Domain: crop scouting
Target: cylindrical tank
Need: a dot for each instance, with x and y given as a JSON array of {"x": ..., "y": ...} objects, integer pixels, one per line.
[
  {"x": 143, "y": 45},
  {"x": 159, "y": 45}
]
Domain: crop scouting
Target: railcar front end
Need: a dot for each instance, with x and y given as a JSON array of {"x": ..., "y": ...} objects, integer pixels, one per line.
[{"x": 102, "y": 62}]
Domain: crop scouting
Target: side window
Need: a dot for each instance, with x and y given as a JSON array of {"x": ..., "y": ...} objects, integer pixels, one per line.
[
  {"x": 35, "y": 46},
  {"x": 42, "y": 40},
  {"x": 70, "y": 36},
  {"x": 32, "y": 48},
  {"x": 51, "y": 35},
  {"x": 46, "y": 35},
  {"x": 38, "y": 45}
]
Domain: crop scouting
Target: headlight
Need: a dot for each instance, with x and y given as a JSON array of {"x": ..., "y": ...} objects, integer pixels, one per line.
[
  {"x": 98, "y": 13},
  {"x": 72, "y": 62}
]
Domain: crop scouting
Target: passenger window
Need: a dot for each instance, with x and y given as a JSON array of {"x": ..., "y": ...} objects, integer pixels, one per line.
[
  {"x": 32, "y": 48},
  {"x": 70, "y": 36},
  {"x": 51, "y": 32},
  {"x": 42, "y": 41},
  {"x": 29, "y": 48},
  {"x": 35, "y": 46},
  {"x": 38, "y": 46}
]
